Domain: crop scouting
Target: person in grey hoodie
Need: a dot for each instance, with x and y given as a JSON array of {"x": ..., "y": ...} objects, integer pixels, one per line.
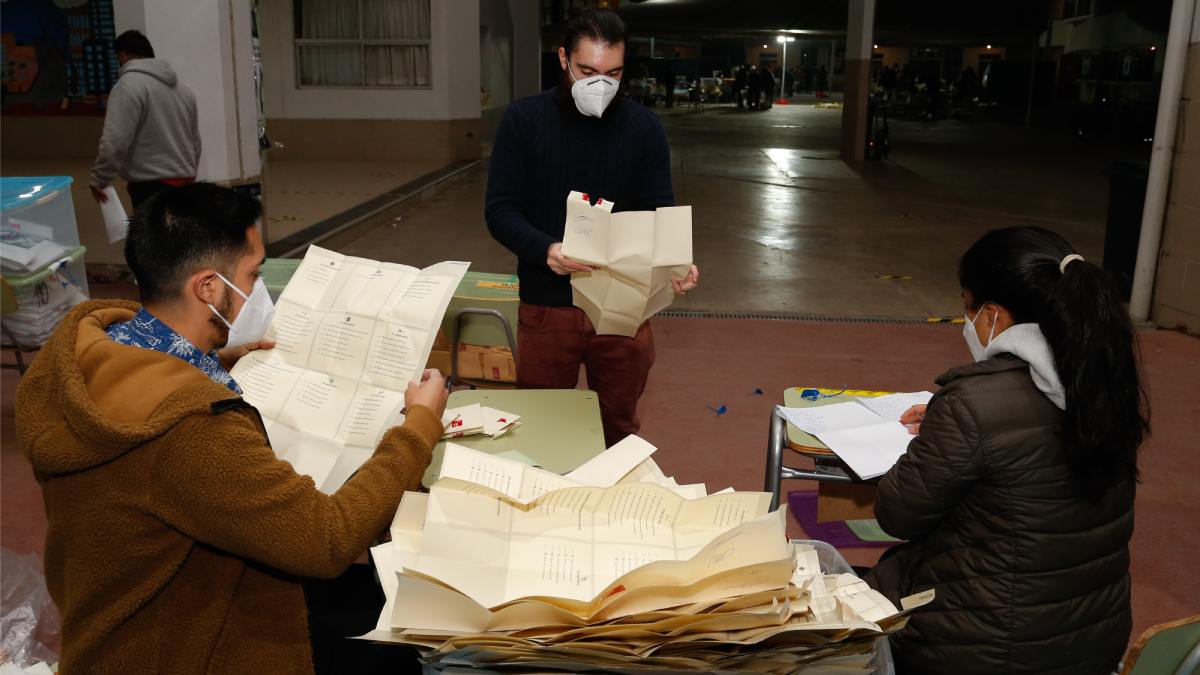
[{"x": 151, "y": 135}]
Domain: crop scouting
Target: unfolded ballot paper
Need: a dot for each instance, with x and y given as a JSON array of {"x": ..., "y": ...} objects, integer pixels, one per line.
[
  {"x": 350, "y": 335},
  {"x": 636, "y": 255},
  {"x": 865, "y": 433}
]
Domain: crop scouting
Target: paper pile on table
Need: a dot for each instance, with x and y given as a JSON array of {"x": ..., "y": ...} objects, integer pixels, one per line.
[
  {"x": 632, "y": 577},
  {"x": 350, "y": 334},
  {"x": 474, "y": 419}
]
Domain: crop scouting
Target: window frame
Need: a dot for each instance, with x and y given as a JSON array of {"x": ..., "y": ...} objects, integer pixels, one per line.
[{"x": 362, "y": 43}]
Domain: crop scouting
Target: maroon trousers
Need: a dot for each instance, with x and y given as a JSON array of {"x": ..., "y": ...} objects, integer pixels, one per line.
[{"x": 555, "y": 341}]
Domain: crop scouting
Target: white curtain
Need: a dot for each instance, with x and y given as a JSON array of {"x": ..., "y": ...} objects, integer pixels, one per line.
[
  {"x": 397, "y": 66},
  {"x": 369, "y": 65},
  {"x": 396, "y": 19},
  {"x": 328, "y": 19}
]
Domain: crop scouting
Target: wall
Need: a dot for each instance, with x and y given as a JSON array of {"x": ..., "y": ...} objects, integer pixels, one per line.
[
  {"x": 495, "y": 52},
  {"x": 440, "y": 123},
  {"x": 527, "y": 47},
  {"x": 1177, "y": 287},
  {"x": 971, "y": 55}
]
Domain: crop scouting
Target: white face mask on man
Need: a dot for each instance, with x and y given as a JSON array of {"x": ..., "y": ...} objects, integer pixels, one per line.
[
  {"x": 593, "y": 94},
  {"x": 253, "y": 320}
]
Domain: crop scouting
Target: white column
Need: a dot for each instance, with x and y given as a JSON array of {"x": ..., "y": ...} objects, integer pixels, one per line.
[{"x": 860, "y": 29}]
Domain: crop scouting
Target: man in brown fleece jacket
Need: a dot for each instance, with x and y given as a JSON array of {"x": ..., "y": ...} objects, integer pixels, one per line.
[{"x": 177, "y": 540}]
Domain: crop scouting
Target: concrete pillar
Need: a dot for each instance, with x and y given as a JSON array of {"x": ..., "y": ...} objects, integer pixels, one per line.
[
  {"x": 527, "y": 47},
  {"x": 857, "y": 78},
  {"x": 208, "y": 43}
]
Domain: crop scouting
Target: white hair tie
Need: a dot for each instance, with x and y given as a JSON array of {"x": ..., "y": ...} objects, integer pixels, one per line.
[{"x": 1062, "y": 266}]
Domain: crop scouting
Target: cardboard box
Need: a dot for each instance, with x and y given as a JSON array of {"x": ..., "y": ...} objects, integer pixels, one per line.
[
  {"x": 845, "y": 501},
  {"x": 475, "y": 362}
]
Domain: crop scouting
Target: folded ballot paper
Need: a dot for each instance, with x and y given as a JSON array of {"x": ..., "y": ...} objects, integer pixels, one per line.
[
  {"x": 350, "y": 335},
  {"x": 476, "y": 419},
  {"x": 636, "y": 255},
  {"x": 631, "y": 576},
  {"x": 865, "y": 433}
]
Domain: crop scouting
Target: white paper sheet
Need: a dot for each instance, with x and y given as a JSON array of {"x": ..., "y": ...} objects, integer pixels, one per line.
[
  {"x": 116, "y": 223},
  {"x": 870, "y": 451},
  {"x": 350, "y": 335},
  {"x": 892, "y": 406},
  {"x": 819, "y": 419}
]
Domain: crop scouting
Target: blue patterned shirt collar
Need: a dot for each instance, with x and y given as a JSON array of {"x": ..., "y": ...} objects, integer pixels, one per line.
[{"x": 146, "y": 331}]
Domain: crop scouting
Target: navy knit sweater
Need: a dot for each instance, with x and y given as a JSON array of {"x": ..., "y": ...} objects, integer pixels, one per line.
[{"x": 544, "y": 149}]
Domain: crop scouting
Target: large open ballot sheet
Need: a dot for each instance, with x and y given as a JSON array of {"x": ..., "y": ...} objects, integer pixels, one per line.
[
  {"x": 569, "y": 543},
  {"x": 636, "y": 254},
  {"x": 350, "y": 335},
  {"x": 865, "y": 433}
]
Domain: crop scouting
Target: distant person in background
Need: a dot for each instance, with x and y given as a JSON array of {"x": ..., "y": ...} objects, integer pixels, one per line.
[
  {"x": 739, "y": 84},
  {"x": 753, "y": 88},
  {"x": 151, "y": 135}
]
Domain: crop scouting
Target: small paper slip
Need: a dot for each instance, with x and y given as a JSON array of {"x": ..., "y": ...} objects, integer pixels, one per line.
[
  {"x": 116, "y": 223},
  {"x": 498, "y": 422},
  {"x": 464, "y": 421}
]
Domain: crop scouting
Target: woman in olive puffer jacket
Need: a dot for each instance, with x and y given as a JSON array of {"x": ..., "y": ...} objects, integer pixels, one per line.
[{"x": 1016, "y": 497}]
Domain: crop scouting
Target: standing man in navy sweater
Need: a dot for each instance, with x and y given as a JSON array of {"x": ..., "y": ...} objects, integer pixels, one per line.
[{"x": 578, "y": 136}]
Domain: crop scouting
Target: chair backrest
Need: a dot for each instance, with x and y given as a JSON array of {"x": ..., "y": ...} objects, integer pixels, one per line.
[{"x": 1167, "y": 649}]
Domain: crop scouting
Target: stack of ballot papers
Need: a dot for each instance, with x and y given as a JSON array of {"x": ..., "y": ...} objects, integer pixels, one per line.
[
  {"x": 350, "y": 334},
  {"x": 512, "y": 568},
  {"x": 476, "y": 419},
  {"x": 865, "y": 433}
]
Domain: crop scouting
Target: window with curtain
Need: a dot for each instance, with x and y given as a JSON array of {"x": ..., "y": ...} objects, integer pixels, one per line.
[{"x": 362, "y": 43}]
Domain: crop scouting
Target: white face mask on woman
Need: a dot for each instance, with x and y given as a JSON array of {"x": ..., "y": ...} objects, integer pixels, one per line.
[
  {"x": 254, "y": 318},
  {"x": 593, "y": 94},
  {"x": 978, "y": 350}
]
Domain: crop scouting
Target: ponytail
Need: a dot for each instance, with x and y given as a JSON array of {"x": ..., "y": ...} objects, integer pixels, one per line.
[
  {"x": 1095, "y": 354},
  {"x": 1036, "y": 275}
]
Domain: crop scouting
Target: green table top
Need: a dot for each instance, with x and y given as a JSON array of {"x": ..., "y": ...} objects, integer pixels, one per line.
[
  {"x": 792, "y": 399},
  {"x": 560, "y": 428}
]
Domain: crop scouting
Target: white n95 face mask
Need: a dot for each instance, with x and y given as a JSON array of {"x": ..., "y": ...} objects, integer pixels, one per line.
[
  {"x": 978, "y": 350},
  {"x": 252, "y": 322},
  {"x": 593, "y": 94}
]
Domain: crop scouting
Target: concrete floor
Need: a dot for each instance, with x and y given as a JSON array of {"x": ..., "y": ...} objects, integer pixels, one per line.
[{"x": 781, "y": 224}]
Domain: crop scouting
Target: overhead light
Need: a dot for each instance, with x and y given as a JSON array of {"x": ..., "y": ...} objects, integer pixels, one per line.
[
  {"x": 1152, "y": 47},
  {"x": 765, "y": 46},
  {"x": 989, "y": 46},
  {"x": 782, "y": 39},
  {"x": 876, "y": 46}
]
